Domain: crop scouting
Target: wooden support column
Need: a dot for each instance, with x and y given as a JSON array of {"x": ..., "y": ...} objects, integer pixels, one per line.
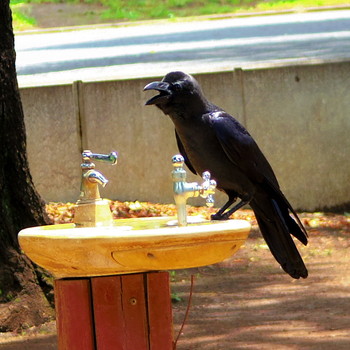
[
  {"x": 74, "y": 315},
  {"x": 160, "y": 315},
  {"x": 124, "y": 312}
]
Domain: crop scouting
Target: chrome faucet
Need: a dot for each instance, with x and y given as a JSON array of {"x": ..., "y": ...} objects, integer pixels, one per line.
[
  {"x": 184, "y": 190},
  {"x": 91, "y": 209},
  {"x": 91, "y": 178}
]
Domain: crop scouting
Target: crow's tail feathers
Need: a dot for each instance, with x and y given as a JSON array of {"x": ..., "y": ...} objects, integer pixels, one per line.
[{"x": 276, "y": 226}]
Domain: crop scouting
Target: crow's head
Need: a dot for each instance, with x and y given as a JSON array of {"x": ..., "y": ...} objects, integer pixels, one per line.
[{"x": 176, "y": 90}]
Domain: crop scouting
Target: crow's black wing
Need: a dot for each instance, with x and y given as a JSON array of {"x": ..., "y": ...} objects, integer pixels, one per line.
[
  {"x": 241, "y": 148},
  {"x": 183, "y": 153},
  {"x": 243, "y": 151}
]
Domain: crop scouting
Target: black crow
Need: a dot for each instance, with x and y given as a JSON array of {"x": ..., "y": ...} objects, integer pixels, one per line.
[{"x": 211, "y": 139}]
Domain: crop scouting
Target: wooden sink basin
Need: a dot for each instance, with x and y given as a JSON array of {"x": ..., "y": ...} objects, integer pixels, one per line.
[{"x": 132, "y": 245}]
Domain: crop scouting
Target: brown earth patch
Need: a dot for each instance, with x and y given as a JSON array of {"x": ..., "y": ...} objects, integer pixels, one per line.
[{"x": 51, "y": 15}]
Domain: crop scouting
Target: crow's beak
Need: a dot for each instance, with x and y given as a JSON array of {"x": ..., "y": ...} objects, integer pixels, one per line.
[{"x": 164, "y": 92}]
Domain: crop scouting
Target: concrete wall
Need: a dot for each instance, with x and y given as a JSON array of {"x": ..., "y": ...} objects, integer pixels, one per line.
[
  {"x": 297, "y": 114},
  {"x": 52, "y": 141}
]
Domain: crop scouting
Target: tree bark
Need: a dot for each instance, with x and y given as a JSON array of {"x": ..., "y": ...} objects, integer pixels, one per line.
[{"x": 20, "y": 204}]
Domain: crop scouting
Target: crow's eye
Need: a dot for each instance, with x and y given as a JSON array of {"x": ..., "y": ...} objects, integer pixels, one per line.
[{"x": 177, "y": 86}]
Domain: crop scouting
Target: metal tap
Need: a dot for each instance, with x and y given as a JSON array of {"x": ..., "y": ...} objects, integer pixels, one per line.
[
  {"x": 91, "y": 209},
  {"x": 184, "y": 190},
  {"x": 91, "y": 178}
]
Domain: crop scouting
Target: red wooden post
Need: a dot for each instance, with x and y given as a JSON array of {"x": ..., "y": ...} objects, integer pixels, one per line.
[
  {"x": 108, "y": 313},
  {"x": 74, "y": 315},
  {"x": 135, "y": 312},
  {"x": 125, "y": 312},
  {"x": 160, "y": 311}
]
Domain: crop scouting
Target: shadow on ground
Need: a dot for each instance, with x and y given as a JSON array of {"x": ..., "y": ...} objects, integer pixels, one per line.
[{"x": 247, "y": 302}]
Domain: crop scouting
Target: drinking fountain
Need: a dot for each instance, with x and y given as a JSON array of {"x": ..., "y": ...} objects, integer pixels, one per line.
[{"x": 111, "y": 276}]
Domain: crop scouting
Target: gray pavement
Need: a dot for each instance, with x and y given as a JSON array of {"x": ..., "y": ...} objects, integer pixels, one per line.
[{"x": 152, "y": 49}]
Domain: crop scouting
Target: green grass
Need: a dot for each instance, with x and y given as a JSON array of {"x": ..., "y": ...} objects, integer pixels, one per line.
[
  {"x": 149, "y": 9},
  {"x": 296, "y": 4},
  {"x": 127, "y": 10},
  {"x": 21, "y": 21}
]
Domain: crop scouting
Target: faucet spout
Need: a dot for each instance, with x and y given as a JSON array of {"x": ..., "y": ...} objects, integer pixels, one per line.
[
  {"x": 89, "y": 191},
  {"x": 184, "y": 190},
  {"x": 95, "y": 176}
]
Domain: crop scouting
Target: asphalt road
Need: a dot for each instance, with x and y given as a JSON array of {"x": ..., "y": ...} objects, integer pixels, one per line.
[{"x": 146, "y": 50}]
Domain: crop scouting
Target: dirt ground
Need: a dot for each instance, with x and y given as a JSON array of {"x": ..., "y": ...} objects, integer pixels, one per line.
[
  {"x": 248, "y": 302},
  {"x": 54, "y": 15}
]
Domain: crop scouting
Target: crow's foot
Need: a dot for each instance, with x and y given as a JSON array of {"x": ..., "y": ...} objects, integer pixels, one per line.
[{"x": 220, "y": 216}]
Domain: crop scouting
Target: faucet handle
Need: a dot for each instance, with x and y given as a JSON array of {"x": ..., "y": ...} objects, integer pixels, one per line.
[
  {"x": 208, "y": 184},
  {"x": 209, "y": 201},
  {"x": 206, "y": 176},
  {"x": 208, "y": 188},
  {"x": 178, "y": 161},
  {"x": 107, "y": 158}
]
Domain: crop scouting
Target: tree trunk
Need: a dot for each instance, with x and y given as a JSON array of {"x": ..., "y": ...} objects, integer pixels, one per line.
[{"x": 22, "y": 302}]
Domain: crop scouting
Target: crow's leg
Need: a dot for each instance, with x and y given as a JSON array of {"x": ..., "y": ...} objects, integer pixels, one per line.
[
  {"x": 232, "y": 197},
  {"x": 222, "y": 215},
  {"x": 218, "y": 214}
]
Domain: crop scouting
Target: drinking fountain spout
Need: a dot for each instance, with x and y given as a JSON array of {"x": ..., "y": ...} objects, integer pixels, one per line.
[
  {"x": 91, "y": 209},
  {"x": 91, "y": 178},
  {"x": 184, "y": 190}
]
